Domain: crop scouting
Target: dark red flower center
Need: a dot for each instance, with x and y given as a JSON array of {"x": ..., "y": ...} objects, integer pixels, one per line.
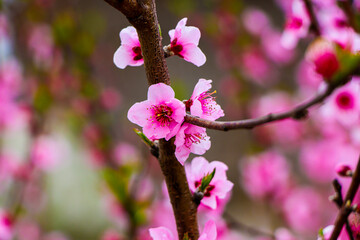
[
  {"x": 208, "y": 190},
  {"x": 138, "y": 55},
  {"x": 176, "y": 48},
  {"x": 295, "y": 23},
  {"x": 327, "y": 64},
  {"x": 345, "y": 101}
]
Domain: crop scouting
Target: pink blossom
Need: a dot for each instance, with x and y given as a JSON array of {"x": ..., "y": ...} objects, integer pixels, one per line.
[
  {"x": 55, "y": 236},
  {"x": 161, "y": 115},
  {"x": 308, "y": 79},
  {"x": 270, "y": 41},
  {"x": 343, "y": 105},
  {"x": 202, "y": 103},
  {"x": 291, "y": 131},
  {"x": 191, "y": 139},
  {"x": 126, "y": 154},
  {"x": 185, "y": 41},
  {"x": 46, "y": 152},
  {"x": 6, "y": 226},
  {"x": 110, "y": 98},
  {"x": 255, "y": 21},
  {"x": 266, "y": 175},
  {"x": 111, "y": 234},
  {"x": 297, "y": 25},
  {"x": 323, "y": 55},
  {"x": 219, "y": 186},
  {"x": 163, "y": 233},
  {"x": 256, "y": 67},
  {"x": 302, "y": 210},
  {"x": 129, "y": 53},
  {"x": 41, "y": 44}
]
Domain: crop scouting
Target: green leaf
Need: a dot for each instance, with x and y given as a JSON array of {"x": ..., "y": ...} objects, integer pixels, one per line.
[
  {"x": 116, "y": 183},
  {"x": 144, "y": 138},
  {"x": 160, "y": 30},
  {"x": 205, "y": 181},
  {"x": 321, "y": 233},
  {"x": 186, "y": 236}
]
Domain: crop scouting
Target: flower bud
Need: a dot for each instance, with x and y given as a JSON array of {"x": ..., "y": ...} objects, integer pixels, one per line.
[{"x": 343, "y": 170}]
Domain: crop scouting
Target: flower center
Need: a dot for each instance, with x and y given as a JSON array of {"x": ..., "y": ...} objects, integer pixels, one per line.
[
  {"x": 176, "y": 48},
  {"x": 345, "y": 101},
  {"x": 138, "y": 55},
  {"x": 340, "y": 23},
  {"x": 208, "y": 102},
  {"x": 162, "y": 114},
  {"x": 193, "y": 138},
  {"x": 208, "y": 190},
  {"x": 295, "y": 23}
]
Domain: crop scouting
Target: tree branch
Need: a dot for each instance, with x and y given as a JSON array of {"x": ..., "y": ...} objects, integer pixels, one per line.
[
  {"x": 299, "y": 112},
  {"x": 314, "y": 22},
  {"x": 142, "y": 15},
  {"x": 345, "y": 210}
]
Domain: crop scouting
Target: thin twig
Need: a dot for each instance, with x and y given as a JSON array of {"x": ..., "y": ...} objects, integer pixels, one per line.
[
  {"x": 299, "y": 112},
  {"x": 245, "y": 228},
  {"x": 314, "y": 22},
  {"x": 345, "y": 209},
  {"x": 339, "y": 202}
]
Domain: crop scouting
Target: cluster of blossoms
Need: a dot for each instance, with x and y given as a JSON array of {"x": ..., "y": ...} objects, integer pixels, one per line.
[{"x": 162, "y": 116}]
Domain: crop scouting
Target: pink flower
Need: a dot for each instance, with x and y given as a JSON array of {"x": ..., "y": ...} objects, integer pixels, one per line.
[
  {"x": 126, "y": 154},
  {"x": 129, "y": 53},
  {"x": 191, "y": 139},
  {"x": 266, "y": 175},
  {"x": 161, "y": 115},
  {"x": 323, "y": 55},
  {"x": 202, "y": 103},
  {"x": 219, "y": 186},
  {"x": 297, "y": 25},
  {"x": 343, "y": 105},
  {"x": 302, "y": 210},
  {"x": 46, "y": 152},
  {"x": 163, "y": 233},
  {"x": 185, "y": 41},
  {"x": 41, "y": 45},
  {"x": 6, "y": 226}
]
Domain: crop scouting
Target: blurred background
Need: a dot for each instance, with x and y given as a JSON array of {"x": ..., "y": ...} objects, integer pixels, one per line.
[{"x": 64, "y": 125}]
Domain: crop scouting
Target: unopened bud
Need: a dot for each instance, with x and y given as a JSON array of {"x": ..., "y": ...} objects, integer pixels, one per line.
[{"x": 343, "y": 170}]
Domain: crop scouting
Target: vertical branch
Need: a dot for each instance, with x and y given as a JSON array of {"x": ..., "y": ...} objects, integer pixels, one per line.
[
  {"x": 314, "y": 22},
  {"x": 344, "y": 211},
  {"x": 142, "y": 15}
]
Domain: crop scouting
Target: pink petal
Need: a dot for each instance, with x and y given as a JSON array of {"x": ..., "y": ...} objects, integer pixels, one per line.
[
  {"x": 122, "y": 58},
  {"x": 161, "y": 233},
  {"x": 209, "y": 231},
  {"x": 190, "y": 35},
  {"x": 139, "y": 113},
  {"x": 182, "y": 153},
  {"x": 209, "y": 202},
  {"x": 155, "y": 131},
  {"x": 194, "y": 55},
  {"x": 128, "y": 36},
  {"x": 202, "y": 86},
  {"x": 160, "y": 92}
]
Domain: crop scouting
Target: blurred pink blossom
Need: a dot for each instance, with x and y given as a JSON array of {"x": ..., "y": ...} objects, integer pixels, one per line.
[
  {"x": 41, "y": 44},
  {"x": 46, "y": 152},
  {"x": 255, "y": 21},
  {"x": 343, "y": 105},
  {"x": 302, "y": 210},
  {"x": 297, "y": 25},
  {"x": 266, "y": 175},
  {"x": 161, "y": 115},
  {"x": 126, "y": 154},
  {"x": 185, "y": 41},
  {"x": 111, "y": 234},
  {"x": 110, "y": 98},
  {"x": 6, "y": 226}
]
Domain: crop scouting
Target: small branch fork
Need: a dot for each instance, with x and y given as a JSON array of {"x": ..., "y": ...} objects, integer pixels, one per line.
[
  {"x": 298, "y": 113},
  {"x": 346, "y": 209}
]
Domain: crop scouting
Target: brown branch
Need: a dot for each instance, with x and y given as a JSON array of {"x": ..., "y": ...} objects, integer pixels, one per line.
[
  {"x": 142, "y": 15},
  {"x": 298, "y": 112},
  {"x": 314, "y": 22},
  {"x": 345, "y": 209},
  {"x": 338, "y": 199}
]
